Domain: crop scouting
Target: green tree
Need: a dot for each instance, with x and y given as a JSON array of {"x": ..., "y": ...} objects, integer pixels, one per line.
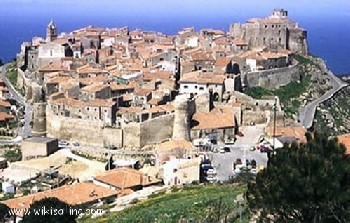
[
  {"x": 50, "y": 210},
  {"x": 4, "y": 212},
  {"x": 304, "y": 183}
]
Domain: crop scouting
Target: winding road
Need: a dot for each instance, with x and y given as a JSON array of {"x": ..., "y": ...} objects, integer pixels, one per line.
[
  {"x": 25, "y": 131},
  {"x": 307, "y": 113}
]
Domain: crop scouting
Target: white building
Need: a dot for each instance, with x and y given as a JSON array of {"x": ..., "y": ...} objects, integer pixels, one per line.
[
  {"x": 199, "y": 82},
  {"x": 50, "y": 53},
  {"x": 192, "y": 42},
  {"x": 181, "y": 171},
  {"x": 8, "y": 188}
]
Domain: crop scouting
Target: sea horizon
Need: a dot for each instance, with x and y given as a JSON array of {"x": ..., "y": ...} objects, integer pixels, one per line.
[{"x": 328, "y": 38}]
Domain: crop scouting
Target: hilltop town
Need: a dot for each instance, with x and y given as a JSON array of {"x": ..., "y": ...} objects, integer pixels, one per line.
[{"x": 101, "y": 114}]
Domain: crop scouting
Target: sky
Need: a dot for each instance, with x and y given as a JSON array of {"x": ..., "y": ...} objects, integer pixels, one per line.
[{"x": 172, "y": 8}]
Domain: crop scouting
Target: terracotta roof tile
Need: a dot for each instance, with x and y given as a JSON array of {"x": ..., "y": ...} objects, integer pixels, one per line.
[
  {"x": 143, "y": 92},
  {"x": 175, "y": 144},
  {"x": 91, "y": 80},
  {"x": 345, "y": 139},
  {"x": 95, "y": 87},
  {"x": 241, "y": 42},
  {"x": 58, "y": 79},
  {"x": 77, "y": 194},
  {"x": 297, "y": 132},
  {"x": 4, "y": 116},
  {"x": 202, "y": 77},
  {"x": 101, "y": 103},
  {"x": 218, "y": 118},
  {"x": 123, "y": 178},
  {"x": 128, "y": 110},
  {"x": 4, "y": 103}
]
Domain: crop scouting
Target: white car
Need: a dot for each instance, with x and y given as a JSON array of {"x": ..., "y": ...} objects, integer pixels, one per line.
[
  {"x": 211, "y": 179},
  {"x": 62, "y": 143},
  {"x": 255, "y": 170},
  {"x": 211, "y": 172},
  {"x": 237, "y": 170}
]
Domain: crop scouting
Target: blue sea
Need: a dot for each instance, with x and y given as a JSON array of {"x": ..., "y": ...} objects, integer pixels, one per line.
[{"x": 328, "y": 38}]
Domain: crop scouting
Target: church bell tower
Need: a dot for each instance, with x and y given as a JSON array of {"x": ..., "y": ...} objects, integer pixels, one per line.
[{"x": 51, "y": 32}]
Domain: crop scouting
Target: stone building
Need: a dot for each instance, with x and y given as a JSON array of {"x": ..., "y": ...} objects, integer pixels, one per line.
[
  {"x": 38, "y": 147},
  {"x": 95, "y": 91},
  {"x": 199, "y": 82},
  {"x": 276, "y": 32}
]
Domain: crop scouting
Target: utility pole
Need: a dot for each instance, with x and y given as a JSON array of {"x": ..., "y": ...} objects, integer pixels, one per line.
[
  {"x": 109, "y": 157},
  {"x": 274, "y": 123}
]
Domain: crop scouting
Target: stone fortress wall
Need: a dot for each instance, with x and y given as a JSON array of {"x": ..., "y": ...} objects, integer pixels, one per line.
[
  {"x": 273, "y": 78},
  {"x": 95, "y": 133},
  {"x": 276, "y": 32}
]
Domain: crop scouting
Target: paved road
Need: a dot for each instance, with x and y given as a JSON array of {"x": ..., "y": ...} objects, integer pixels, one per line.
[
  {"x": 223, "y": 162},
  {"x": 25, "y": 131},
  {"x": 307, "y": 113}
]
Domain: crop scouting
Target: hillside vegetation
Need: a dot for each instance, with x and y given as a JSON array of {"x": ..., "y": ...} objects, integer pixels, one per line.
[{"x": 196, "y": 203}]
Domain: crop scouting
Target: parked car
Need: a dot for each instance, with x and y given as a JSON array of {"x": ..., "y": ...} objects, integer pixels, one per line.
[
  {"x": 211, "y": 179},
  {"x": 206, "y": 166},
  {"x": 76, "y": 143},
  {"x": 254, "y": 170},
  {"x": 227, "y": 149},
  {"x": 211, "y": 172},
  {"x": 237, "y": 170},
  {"x": 62, "y": 143},
  {"x": 222, "y": 150},
  {"x": 264, "y": 149}
]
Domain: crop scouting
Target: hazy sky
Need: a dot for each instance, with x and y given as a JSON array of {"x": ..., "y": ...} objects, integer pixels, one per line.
[{"x": 174, "y": 8}]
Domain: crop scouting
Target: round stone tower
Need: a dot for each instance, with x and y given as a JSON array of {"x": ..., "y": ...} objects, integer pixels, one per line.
[
  {"x": 39, "y": 119},
  {"x": 181, "y": 128}
]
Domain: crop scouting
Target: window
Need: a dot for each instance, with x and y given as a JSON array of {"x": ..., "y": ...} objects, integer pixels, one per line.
[
  {"x": 201, "y": 88},
  {"x": 265, "y": 26},
  {"x": 87, "y": 108},
  {"x": 196, "y": 87},
  {"x": 185, "y": 86},
  {"x": 51, "y": 53},
  {"x": 273, "y": 26}
]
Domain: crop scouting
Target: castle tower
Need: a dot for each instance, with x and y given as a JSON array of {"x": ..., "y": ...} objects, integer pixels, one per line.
[
  {"x": 181, "y": 127},
  {"x": 279, "y": 13},
  {"x": 39, "y": 119},
  {"x": 51, "y": 32}
]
